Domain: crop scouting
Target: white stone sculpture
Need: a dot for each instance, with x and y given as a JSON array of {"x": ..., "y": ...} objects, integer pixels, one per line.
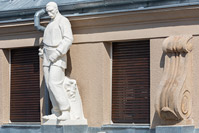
[{"x": 63, "y": 92}]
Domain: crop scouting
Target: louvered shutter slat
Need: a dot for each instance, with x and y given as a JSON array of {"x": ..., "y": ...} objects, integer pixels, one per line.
[
  {"x": 131, "y": 82},
  {"x": 25, "y": 89}
]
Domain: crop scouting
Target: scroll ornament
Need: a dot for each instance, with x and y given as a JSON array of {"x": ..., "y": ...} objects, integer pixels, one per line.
[{"x": 174, "y": 100}]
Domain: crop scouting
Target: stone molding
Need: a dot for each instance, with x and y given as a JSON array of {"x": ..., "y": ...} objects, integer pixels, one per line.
[
  {"x": 174, "y": 100},
  {"x": 156, "y": 23}
]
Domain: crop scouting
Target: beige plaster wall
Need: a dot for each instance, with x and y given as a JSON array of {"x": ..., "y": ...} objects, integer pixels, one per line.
[
  {"x": 156, "y": 71},
  {"x": 195, "y": 111},
  {"x": 90, "y": 65},
  {"x": 24, "y": 39},
  {"x": 4, "y": 87},
  {"x": 157, "y": 65}
]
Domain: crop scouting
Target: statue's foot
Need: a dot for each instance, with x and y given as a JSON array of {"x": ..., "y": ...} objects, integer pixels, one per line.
[
  {"x": 64, "y": 116},
  {"x": 48, "y": 117}
]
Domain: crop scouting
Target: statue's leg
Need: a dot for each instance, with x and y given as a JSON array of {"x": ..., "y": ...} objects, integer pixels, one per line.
[
  {"x": 55, "y": 110},
  {"x": 56, "y": 80}
]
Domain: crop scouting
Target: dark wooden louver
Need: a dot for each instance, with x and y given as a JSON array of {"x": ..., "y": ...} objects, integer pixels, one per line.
[
  {"x": 131, "y": 82},
  {"x": 25, "y": 87}
]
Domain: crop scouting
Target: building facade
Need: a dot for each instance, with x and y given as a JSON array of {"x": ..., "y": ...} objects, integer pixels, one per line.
[{"x": 135, "y": 63}]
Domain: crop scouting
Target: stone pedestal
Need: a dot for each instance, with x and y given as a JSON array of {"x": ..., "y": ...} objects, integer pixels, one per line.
[
  {"x": 67, "y": 122},
  {"x": 174, "y": 129}
]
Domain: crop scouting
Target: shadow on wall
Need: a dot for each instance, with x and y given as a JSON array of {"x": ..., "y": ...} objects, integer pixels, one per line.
[
  {"x": 69, "y": 65},
  {"x": 37, "y": 42},
  {"x": 162, "y": 60},
  {"x": 6, "y": 54}
]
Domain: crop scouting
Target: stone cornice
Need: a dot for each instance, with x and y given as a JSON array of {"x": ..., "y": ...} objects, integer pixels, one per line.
[
  {"x": 130, "y": 16},
  {"x": 106, "y": 27}
]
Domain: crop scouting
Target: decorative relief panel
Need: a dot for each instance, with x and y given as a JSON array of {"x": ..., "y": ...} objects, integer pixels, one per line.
[{"x": 174, "y": 101}]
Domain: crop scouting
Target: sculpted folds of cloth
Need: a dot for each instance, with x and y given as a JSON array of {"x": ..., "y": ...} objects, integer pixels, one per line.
[{"x": 63, "y": 91}]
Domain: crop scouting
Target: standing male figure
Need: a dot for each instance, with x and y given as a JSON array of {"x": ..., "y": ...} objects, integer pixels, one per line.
[{"x": 57, "y": 40}]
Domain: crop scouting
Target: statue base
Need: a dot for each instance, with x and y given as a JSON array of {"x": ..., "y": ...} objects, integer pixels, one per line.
[{"x": 66, "y": 122}]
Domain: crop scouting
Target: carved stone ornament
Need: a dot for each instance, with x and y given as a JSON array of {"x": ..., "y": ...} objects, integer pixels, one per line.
[{"x": 174, "y": 100}]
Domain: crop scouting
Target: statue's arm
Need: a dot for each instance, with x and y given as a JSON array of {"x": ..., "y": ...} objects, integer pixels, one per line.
[
  {"x": 67, "y": 35},
  {"x": 37, "y": 16}
]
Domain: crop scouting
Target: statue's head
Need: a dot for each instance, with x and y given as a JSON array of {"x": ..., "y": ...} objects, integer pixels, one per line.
[{"x": 52, "y": 9}]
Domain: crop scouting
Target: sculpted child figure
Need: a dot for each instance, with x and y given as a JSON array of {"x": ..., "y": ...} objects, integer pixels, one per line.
[{"x": 57, "y": 40}]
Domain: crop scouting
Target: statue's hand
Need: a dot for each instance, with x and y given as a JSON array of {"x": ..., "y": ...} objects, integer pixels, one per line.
[
  {"x": 41, "y": 52},
  {"x": 54, "y": 56}
]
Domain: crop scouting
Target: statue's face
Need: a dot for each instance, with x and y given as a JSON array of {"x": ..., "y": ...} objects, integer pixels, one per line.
[{"x": 52, "y": 11}]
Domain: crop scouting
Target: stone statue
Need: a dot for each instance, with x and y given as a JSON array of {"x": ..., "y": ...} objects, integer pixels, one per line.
[{"x": 63, "y": 91}]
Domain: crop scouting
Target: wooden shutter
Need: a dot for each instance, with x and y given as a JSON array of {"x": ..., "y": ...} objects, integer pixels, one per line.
[
  {"x": 131, "y": 82},
  {"x": 25, "y": 87}
]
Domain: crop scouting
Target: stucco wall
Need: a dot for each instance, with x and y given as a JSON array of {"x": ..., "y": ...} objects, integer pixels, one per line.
[
  {"x": 90, "y": 65},
  {"x": 4, "y": 87}
]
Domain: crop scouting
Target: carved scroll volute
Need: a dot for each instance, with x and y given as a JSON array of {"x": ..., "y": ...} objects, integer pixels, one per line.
[{"x": 174, "y": 100}]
